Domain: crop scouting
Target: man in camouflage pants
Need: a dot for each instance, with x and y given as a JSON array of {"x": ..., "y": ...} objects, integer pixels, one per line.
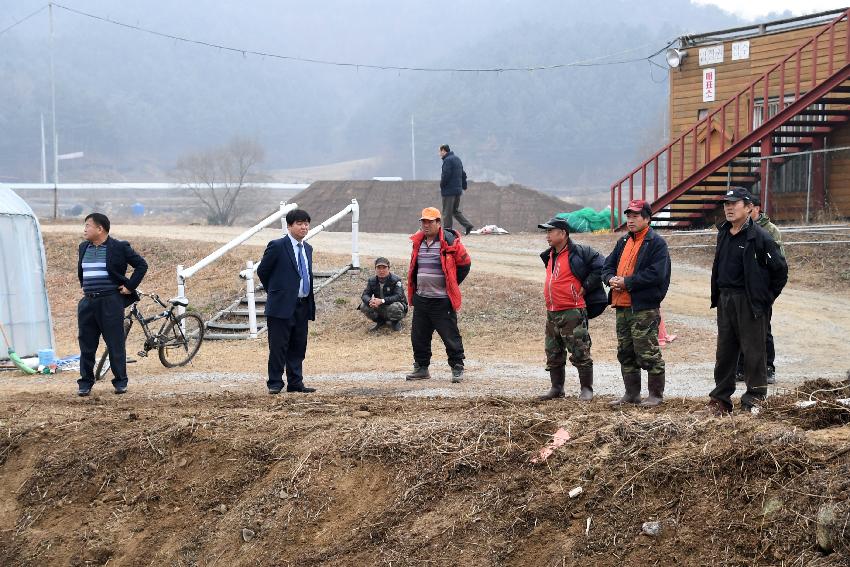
[
  {"x": 638, "y": 273},
  {"x": 567, "y": 331},
  {"x": 573, "y": 293}
]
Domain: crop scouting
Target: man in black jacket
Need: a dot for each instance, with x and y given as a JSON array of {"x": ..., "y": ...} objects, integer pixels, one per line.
[
  {"x": 286, "y": 272},
  {"x": 102, "y": 270},
  {"x": 638, "y": 273},
  {"x": 748, "y": 275},
  {"x": 573, "y": 294},
  {"x": 383, "y": 300},
  {"x": 452, "y": 185}
]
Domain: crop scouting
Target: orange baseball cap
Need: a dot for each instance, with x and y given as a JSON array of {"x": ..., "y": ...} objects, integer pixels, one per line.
[{"x": 430, "y": 213}]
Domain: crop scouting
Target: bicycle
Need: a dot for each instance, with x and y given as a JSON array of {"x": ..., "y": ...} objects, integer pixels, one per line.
[{"x": 177, "y": 340}]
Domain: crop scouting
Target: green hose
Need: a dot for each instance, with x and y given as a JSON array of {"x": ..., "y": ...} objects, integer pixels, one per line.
[{"x": 14, "y": 357}]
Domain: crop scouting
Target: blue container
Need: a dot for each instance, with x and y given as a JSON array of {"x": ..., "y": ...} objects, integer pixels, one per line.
[{"x": 46, "y": 357}]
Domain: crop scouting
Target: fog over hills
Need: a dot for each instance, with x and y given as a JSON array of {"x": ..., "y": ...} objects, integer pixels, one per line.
[{"x": 135, "y": 102}]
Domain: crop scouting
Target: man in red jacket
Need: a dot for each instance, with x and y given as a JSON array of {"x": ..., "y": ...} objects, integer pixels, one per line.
[
  {"x": 438, "y": 264},
  {"x": 573, "y": 293}
]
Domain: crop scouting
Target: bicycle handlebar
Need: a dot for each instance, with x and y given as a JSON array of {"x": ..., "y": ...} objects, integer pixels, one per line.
[{"x": 153, "y": 296}]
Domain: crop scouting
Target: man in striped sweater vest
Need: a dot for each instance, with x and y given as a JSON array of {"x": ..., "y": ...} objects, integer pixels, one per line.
[{"x": 102, "y": 268}]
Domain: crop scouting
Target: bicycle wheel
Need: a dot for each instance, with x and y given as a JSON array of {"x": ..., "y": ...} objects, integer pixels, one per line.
[
  {"x": 104, "y": 364},
  {"x": 181, "y": 339}
]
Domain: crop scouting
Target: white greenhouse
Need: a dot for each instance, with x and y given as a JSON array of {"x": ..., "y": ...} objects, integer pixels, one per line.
[{"x": 24, "y": 308}]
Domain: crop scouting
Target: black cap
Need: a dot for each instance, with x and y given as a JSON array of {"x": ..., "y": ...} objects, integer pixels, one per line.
[
  {"x": 381, "y": 261},
  {"x": 555, "y": 222},
  {"x": 738, "y": 194}
]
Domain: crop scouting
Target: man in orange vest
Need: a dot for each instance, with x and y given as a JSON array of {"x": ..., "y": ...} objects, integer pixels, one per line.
[
  {"x": 439, "y": 263},
  {"x": 638, "y": 273},
  {"x": 573, "y": 293}
]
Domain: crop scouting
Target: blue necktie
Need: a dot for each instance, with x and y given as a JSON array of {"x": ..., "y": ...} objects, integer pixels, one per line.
[{"x": 302, "y": 270}]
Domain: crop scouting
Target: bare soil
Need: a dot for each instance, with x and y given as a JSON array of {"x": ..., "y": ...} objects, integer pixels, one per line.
[
  {"x": 374, "y": 470},
  {"x": 202, "y": 479}
]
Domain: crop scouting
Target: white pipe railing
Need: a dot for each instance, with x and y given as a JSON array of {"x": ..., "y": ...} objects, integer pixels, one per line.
[
  {"x": 354, "y": 209},
  {"x": 355, "y": 232},
  {"x": 185, "y": 273},
  {"x": 251, "y": 267},
  {"x": 252, "y": 302},
  {"x": 192, "y": 270}
]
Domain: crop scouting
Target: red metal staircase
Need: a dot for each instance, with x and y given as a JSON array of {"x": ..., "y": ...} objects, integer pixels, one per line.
[{"x": 790, "y": 108}]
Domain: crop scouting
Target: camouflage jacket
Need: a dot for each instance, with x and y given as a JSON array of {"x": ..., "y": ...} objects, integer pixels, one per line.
[{"x": 764, "y": 222}]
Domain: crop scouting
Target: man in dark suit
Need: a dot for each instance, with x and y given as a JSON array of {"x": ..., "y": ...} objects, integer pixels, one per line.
[
  {"x": 102, "y": 270},
  {"x": 286, "y": 272}
]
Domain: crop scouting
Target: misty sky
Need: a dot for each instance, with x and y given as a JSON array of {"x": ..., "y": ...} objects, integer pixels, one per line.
[
  {"x": 753, "y": 9},
  {"x": 135, "y": 103}
]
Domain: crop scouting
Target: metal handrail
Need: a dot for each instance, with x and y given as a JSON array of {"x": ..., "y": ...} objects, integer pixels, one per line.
[
  {"x": 354, "y": 209},
  {"x": 250, "y": 267},
  {"x": 185, "y": 273},
  {"x": 747, "y": 95}
]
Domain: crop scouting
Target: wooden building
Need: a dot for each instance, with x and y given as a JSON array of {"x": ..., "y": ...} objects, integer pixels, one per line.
[{"x": 722, "y": 135}]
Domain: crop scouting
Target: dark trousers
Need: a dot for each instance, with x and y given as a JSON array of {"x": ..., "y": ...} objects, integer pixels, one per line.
[
  {"x": 739, "y": 330},
  {"x": 430, "y": 314},
  {"x": 769, "y": 349},
  {"x": 287, "y": 347},
  {"x": 394, "y": 311},
  {"x": 451, "y": 208},
  {"x": 96, "y": 316}
]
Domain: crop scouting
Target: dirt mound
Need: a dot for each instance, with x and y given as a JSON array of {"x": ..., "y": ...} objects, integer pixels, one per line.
[
  {"x": 825, "y": 403},
  {"x": 254, "y": 480},
  {"x": 395, "y": 206}
]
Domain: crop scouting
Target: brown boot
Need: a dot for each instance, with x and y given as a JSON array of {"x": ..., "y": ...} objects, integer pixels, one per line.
[
  {"x": 585, "y": 378},
  {"x": 656, "y": 391},
  {"x": 557, "y": 376},
  {"x": 632, "y": 395}
]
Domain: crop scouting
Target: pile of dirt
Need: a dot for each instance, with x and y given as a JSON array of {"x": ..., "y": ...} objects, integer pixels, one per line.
[
  {"x": 395, "y": 206},
  {"x": 254, "y": 480},
  {"x": 826, "y": 404}
]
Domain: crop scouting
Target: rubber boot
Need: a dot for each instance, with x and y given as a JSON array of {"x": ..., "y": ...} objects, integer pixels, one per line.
[
  {"x": 632, "y": 395},
  {"x": 557, "y": 376},
  {"x": 585, "y": 378},
  {"x": 420, "y": 372},
  {"x": 656, "y": 391}
]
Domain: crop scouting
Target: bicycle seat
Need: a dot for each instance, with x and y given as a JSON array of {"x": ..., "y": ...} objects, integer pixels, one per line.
[{"x": 179, "y": 301}]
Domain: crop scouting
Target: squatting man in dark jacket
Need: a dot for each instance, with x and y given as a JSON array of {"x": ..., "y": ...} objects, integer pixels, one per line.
[
  {"x": 573, "y": 294},
  {"x": 383, "y": 300},
  {"x": 748, "y": 275},
  {"x": 638, "y": 273}
]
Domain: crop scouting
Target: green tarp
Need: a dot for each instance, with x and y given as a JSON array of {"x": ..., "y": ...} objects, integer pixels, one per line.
[{"x": 588, "y": 220}]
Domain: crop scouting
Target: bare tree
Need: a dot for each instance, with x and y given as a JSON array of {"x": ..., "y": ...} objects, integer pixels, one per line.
[{"x": 217, "y": 176}]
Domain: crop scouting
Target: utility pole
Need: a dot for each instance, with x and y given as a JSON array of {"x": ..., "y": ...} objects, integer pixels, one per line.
[
  {"x": 43, "y": 153},
  {"x": 413, "y": 147},
  {"x": 53, "y": 120}
]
